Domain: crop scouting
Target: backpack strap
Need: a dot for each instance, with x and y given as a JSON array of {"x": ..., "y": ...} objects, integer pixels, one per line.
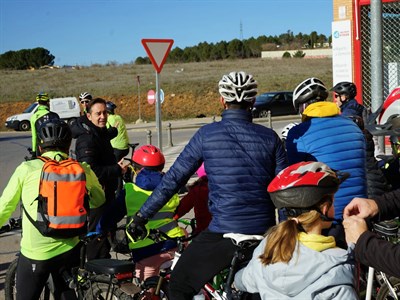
[{"x": 44, "y": 159}]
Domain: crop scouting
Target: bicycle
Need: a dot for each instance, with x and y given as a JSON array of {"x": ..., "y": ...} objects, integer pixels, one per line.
[
  {"x": 378, "y": 282},
  {"x": 95, "y": 279},
  {"x": 221, "y": 286}
]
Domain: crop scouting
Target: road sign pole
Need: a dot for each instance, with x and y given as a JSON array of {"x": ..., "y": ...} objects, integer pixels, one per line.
[
  {"x": 138, "y": 87},
  {"x": 158, "y": 111}
]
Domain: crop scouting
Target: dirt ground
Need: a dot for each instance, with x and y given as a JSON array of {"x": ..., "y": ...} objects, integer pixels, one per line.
[{"x": 177, "y": 107}]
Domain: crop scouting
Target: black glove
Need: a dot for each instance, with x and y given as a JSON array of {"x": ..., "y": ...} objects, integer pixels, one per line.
[{"x": 137, "y": 228}]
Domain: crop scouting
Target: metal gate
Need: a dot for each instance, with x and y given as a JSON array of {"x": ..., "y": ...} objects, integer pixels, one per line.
[{"x": 391, "y": 49}]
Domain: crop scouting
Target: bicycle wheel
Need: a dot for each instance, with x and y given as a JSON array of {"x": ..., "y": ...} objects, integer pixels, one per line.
[
  {"x": 10, "y": 289},
  {"x": 384, "y": 292},
  {"x": 100, "y": 290}
]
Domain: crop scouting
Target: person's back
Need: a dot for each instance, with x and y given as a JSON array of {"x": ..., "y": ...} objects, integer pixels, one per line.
[
  {"x": 48, "y": 254},
  {"x": 308, "y": 265},
  {"x": 39, "y": 117},
  {"x": 240, "y": 159},
  {"x": 196, "y": 199},
  {"x": 121, "y": 142},
  {"x": 326, "y": 136}
]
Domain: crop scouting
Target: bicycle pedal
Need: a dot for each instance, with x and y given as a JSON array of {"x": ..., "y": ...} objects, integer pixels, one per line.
[{"x": 130, "y": 288}]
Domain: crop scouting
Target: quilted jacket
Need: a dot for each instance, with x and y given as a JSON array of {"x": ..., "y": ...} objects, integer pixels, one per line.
[
  {"x": 240, "y": 160},
  {"x": 335, "y": 140}
]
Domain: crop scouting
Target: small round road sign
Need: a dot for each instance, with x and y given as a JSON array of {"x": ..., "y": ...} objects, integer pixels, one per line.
[
  {"x": 151, "y": 97},
  {"x": 161, "y": 96}
]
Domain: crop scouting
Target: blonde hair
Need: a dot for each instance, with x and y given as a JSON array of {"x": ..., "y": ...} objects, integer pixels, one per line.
[{"x": 282, "y": 238}]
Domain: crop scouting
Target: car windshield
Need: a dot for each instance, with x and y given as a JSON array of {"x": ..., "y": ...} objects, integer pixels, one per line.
[
  {"x": 31, "y": 107},
  {"x": 264, "y": 98}
]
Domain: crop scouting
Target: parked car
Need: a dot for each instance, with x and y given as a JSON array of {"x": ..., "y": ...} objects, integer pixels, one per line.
[
  {"x": 67, "y": 108},
  {"x": 279, "y": 103}
]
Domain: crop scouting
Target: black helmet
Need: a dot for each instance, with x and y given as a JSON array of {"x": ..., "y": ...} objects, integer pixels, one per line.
[
  {"x": 345, "y": 88},
  {"x": 54, "y": 133},
  {"x": 110, "y": 106},
  {"x": 310, "y": 90}
]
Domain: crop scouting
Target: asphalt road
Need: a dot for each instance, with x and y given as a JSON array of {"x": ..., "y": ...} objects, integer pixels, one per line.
[{"x": 13, "y": 149}]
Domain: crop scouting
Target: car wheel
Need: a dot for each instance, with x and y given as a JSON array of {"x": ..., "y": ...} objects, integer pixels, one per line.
[
  {"x": 263, "y": 114},
  {"x": 24, "y": 126}
]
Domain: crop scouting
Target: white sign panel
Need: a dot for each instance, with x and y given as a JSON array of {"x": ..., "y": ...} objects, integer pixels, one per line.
[{"x": 342, "y": 55}]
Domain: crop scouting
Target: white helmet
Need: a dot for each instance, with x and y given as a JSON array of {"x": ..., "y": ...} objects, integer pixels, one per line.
[
  {"x": 238, "y": 86},
  {"x": 309, "y": 90},
  {"x": 286, "y": 129},
  {"x": 85, "y": 95}
]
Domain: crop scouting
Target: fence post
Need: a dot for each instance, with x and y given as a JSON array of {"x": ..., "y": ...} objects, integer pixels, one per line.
[
  {"x": 269, "y": 119},
  {"x": 169, "y": 134},
  {"x": 149, "y": 137}
]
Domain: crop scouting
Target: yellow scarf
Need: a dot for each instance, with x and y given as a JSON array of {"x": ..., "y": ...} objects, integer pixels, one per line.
[
  {"x": 320, "y": 109},
  {"x": 316, "y": 242}
]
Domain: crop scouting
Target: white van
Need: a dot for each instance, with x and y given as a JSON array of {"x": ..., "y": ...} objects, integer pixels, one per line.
[{"x": 67, "y": 108}]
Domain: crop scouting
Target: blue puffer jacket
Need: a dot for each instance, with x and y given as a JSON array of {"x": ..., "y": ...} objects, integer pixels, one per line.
[
  {"x": 240, "y": 158},
  {"x": 336, "y": 141}
]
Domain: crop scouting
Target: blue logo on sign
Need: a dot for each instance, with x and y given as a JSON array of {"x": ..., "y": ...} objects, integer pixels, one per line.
[{"x": 336, "y": 34}]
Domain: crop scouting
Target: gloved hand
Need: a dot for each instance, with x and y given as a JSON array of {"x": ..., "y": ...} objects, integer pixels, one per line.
[{"x": 137, "y": 228}]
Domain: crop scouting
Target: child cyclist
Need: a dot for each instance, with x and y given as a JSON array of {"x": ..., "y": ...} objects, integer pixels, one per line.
[
  {"x": 295, "y": 261},
  {"x": 196, "y": 199},
  {"x": 148, "y": 163}
]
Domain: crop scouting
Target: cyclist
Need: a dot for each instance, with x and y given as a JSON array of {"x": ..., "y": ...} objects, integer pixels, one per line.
[
  {"x": 326, "y": 136},
  {"x": 240, "y": 159},
  {"x": 196, "y": 199},
  {"x": 345, "y": 93},
  {"x": 148, "y": 162},
  {"x": 285, "y": 131},
  {"x": 93, "y": 146},
  {"x": 41, "y": 115},
  {"x": 84, "y": 99},
  {"x": 121, "y": 142},
  {"x": 295, "y": 261},
  {"x": 40, "y": 255}
]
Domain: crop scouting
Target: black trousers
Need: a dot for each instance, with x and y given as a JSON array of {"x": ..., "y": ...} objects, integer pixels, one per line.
[
  {"x": 207, "y": 255},
  {"x": 98, "y": 248},
  {"x": 33, "y": 274}
]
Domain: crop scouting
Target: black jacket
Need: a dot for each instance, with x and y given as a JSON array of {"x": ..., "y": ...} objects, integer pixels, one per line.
[
  {"x": 376, "y": 252},
  {"x": 93, "y": 146}
]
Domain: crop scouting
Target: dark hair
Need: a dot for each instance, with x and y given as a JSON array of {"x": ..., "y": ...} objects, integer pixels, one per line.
[{"x": 95, "y": 101}]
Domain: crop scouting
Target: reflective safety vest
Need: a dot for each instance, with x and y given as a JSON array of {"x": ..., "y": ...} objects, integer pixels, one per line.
[{"x": 163, "y": 220}]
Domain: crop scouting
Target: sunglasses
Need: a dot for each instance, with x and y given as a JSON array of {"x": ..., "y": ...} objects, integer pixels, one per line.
[
  {"x": 84, "y": 102},
  {"x": 337, "y": 96}
]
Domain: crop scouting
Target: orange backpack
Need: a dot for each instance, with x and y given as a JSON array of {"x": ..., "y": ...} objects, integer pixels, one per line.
[{"x": 62, "y": 202}]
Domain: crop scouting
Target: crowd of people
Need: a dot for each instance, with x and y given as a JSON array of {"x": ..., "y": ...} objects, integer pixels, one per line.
[{"x": 318, "y": 176}]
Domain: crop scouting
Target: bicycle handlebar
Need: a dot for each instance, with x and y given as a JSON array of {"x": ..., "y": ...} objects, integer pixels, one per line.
[{"x": 12, "y": 224}]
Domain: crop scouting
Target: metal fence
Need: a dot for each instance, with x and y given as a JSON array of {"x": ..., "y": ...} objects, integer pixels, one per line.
[{"x": 391, "y": 49}]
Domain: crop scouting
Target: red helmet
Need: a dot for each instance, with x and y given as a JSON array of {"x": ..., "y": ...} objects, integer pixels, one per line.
[
  {"x": 148, "y": 156},
  {"x": 303, "y": 185}
]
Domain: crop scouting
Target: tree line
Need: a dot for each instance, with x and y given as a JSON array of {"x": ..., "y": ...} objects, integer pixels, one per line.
[
  {"x": 247, "y": 48},
  {"x": 234, "y": 49},
  {"x": 26, "y": 59}
]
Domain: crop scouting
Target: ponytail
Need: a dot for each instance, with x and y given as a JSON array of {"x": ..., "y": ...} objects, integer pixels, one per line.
[{"x": 282, "y": 238}]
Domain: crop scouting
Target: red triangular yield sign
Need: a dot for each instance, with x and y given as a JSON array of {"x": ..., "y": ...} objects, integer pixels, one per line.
[{"x": 157, "y": 50}]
